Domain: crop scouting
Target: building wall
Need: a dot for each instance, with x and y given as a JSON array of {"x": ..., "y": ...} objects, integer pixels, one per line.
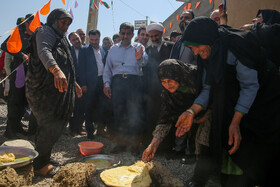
[{"x": 240, "y": 12}]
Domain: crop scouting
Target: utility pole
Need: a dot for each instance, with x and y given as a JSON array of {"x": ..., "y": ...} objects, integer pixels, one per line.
[{"x": 92, "y": 18}]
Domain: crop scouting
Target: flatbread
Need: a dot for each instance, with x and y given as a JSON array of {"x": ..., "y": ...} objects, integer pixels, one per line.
[
  {"x": 7, "y": 157},
  {"x": 136, "y": 175}
]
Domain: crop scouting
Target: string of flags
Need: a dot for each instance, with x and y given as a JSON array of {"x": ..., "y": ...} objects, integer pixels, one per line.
[
  {"x": 93, "y": 5},
  {"x": 14, "y": 43}
]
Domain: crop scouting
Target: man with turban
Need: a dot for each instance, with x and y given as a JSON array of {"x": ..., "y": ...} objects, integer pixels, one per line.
[{"x": 158, "y": 51}]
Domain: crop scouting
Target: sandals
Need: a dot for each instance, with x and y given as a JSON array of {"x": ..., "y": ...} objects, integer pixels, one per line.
[
  {"x": 50, "y": 173},
  {"x": 53, "y": 171}
]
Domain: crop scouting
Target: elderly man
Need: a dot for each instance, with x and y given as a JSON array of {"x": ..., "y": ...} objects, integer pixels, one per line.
[
  {"x": 219, "y": 15},
  {"x": 107, "y": 43},
  {"x": 82, "y": 35},
  {"x": 158, "y": 51},
  {"x": 185, "y": 16},
  {"x": 123, "y": 81},
  {"x": 78, "y": 118},
  {"x": 143, "y": 36}
]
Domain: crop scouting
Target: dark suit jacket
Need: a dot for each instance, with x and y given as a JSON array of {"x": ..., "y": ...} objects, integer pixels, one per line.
[
  {"x": 88, "y": 68},
  {"x": 76, "y": 64},
  {"x": 154, "y": 59}
]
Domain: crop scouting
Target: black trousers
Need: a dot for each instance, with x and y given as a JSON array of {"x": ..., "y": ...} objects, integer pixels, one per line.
[
  {"x": 93, "y": 105},
  {"x": 78, "y": 117},
  {"x": 16, "y": 107},
  {"x": 127, "y": 96}
]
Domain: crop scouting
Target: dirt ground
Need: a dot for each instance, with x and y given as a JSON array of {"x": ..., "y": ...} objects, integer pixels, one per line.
[{"x": 66, "y": 150}]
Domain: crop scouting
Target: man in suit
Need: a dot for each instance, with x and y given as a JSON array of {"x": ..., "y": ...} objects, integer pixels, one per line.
[
  {"x": 78, "y": 118},
  {"x": 91, "y": 71},
  {"x": 158, "y": 51}
]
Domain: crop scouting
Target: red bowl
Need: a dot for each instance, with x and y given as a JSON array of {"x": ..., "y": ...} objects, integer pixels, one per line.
[{"x": 90, "y": 148}]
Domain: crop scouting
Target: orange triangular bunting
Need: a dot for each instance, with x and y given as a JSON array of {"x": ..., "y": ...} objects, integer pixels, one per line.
[
  {"x": 210, "y": 1},
  {"x": 14, "y": 43},
  {"x": 197, "y": 4},
  {"x": 185, "y": 8},
  {"x": 46, "y": 8},
  {"x": 35, "y": 22},
  {"x": 178, "y": 17},
  {"x": 189, "y": 6},
  {"x": 63, "y": 1}
]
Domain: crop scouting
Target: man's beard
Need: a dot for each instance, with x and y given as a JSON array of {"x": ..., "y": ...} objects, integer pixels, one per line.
[{"x": 156, "y": 44}]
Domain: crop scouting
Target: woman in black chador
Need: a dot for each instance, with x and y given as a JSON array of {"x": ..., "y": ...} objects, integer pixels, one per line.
[
  {"x": 245, "y": 100},
  {"x": 50, "y": 85}
]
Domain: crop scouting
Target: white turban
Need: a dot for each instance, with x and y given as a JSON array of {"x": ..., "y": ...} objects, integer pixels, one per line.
[{"x": 155, "y": 26}]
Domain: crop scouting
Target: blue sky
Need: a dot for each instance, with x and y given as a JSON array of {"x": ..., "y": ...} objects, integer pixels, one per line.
[{"x": 109, "y": 20}]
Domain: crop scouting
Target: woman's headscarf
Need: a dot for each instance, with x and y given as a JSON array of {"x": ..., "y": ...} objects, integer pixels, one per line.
[
  {"x": 53, "y": 18},
  {"x": 269, "y": 16},
  {"x": 205, "y": 31},
  {"x": 184, "y": 74}
]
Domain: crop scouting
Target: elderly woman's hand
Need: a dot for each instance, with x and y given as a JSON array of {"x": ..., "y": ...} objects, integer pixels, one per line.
[
  {"x": 150, "y": 151},
  {"x": 60, "y": 81},
  {"x": 235, "y": 138},
  {"x": 184, "y": 123}
]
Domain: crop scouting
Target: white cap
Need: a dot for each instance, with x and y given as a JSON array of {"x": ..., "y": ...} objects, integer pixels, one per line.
[{"x": 155, "y": 26}]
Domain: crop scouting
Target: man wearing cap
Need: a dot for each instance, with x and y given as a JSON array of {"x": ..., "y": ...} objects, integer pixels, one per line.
[
  {"x": 122, "y": 79},
  {"x": 16, "y": 100},
  {"x": 158, "y": 51}
]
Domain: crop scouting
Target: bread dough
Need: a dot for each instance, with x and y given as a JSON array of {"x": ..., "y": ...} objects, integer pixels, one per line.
[{"x": 136, "y": 175}]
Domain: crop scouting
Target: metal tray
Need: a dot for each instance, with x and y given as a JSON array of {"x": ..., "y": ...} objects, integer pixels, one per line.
[
  {"x": 109, "y": 158},
  {"x": 32, "y": 154}
]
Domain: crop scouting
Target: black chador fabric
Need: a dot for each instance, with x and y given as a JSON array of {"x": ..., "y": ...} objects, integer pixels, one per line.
[
  {"x": 269, "y": 38},
  {"x": 51, "y": 108},
  {"x": 269, "y": 16},
  {"x": 259, "y": 127}
]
